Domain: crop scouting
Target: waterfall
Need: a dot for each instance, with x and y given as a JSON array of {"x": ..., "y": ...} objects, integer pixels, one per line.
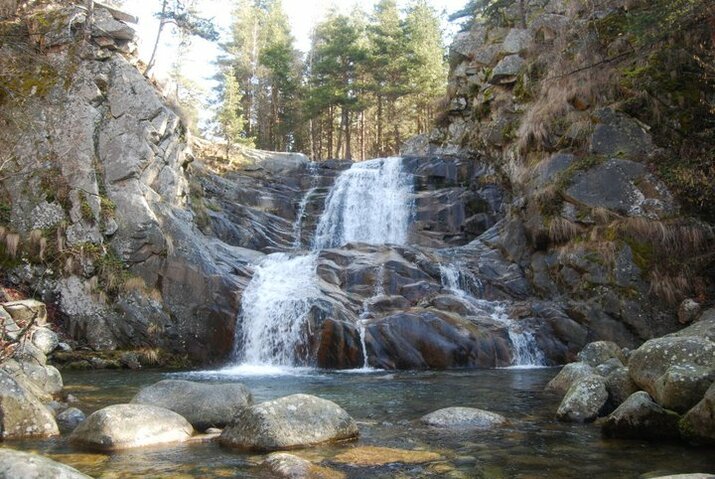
[
  {"x": 369, "y": 203},
  {"x": 276, "y": 304},
  {"x": 303, "y": 205},
  {"x": 525, "y": 351}
]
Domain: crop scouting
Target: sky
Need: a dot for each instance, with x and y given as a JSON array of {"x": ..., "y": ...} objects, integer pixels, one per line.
[{"x": 199, "y": 66}]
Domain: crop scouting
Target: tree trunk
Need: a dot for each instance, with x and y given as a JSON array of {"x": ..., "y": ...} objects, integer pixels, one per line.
[
  {"x": 331, "y": 119},
  {"x": 379, "y": 125},
  {"x": 348, "y": 135},
  {"x": 162, "y": 23}
]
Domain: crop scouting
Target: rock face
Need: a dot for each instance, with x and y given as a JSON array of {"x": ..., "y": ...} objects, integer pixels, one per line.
[
  {"x": 639, "y": 417},
  {"x": 21, "y": 413},
  {"x": 203, "y": 405},
  {"x": 459, "y": 418},
  {"x": 23, "y": 465},
  {"x": 584, "y": 400},
  {"x": 599, "y": 352},
  {"x": 294, "y": 421},
  {"x": 125, "y": 426}
]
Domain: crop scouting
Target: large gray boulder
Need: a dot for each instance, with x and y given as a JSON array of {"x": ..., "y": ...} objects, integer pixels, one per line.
[
  {"x": 656, "y": 357},
  {"x": 203, "y": 405},
  {"x": 289, "y": 422},
  {"x": 599, "y": 352},
  {"x": 23, "y": 465},
  {"x": 618, "y": 134},
  {"x": 463, "y": 418},
  {"x": 584, "y": 401},
  {"x": 125, "y": 426},
  {"x": 21, "y": 413},
  {"x": 639, "y": 417},
  {"x": 682, "y": 387},
  {"x": 568, "y": 375},
  {"x": 698, "y": 425}
]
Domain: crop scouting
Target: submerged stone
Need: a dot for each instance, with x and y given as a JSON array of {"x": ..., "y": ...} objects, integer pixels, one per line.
[
  {"x": 370, "y": 456},
  {"x": 463, "y": 418},
  {"x": 23, "y": 465}
]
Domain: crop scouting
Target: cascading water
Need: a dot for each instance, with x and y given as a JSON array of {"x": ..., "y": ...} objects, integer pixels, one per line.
[
  {"x": 370, "y": 203},
  {"x": 303, "y": 205},
  {"x": 275, "y": 308},
  {"x": 525, "y": 351}
]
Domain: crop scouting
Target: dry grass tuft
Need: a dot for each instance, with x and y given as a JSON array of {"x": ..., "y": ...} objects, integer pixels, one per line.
[
  {"x": 671, "y": 288},
  {"x": 12, "y": 244},
  {"x": 562, "y": 230},
  {"x": 135, "y": 283}
]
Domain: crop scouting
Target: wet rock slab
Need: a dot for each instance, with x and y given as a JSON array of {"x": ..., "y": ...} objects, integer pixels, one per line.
[{"x": 457, "y": 418}]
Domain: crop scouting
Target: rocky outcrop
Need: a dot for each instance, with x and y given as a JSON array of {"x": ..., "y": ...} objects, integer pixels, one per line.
[
  {"x": 203, "y": 405},
  {"x": 460, "y": 418},
  {"x": 294, "y": 421},
  {"x": 125, "y": 426},
  {"x": 24, "y": 465}
]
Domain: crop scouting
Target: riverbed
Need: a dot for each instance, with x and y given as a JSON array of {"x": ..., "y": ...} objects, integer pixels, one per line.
[{"x": 387, "y": 406}]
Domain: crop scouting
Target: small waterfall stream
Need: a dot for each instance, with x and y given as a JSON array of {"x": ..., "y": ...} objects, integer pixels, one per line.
[
  {"x": 369, "y": 203},
  {"x": 525, "y": 351}
]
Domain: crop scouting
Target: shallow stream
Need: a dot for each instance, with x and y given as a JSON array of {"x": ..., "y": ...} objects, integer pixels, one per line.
[{"x": 386, "y": 406}]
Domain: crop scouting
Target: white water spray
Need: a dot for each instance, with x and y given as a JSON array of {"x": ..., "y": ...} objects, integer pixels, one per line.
[{"x": 369, "y": 203}]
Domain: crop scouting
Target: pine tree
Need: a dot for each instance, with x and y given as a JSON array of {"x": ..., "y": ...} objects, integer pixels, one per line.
[{"x": 230, "y": 118}]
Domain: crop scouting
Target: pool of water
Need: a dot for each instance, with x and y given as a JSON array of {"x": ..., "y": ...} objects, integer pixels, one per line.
[{"x": 386, "y": 406}]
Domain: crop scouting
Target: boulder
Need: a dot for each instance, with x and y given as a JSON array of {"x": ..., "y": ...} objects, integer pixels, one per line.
[
  {"x": 507, "y": 70},
  {"x": 688, "y": 311},
  {"x": 69, "y": 419},
  {"x": 293, "y": 421},
  {"x": 698, "y": 425},
  {"x": 608, "y": 367},
  {"x": 23, "y": 465},
  {"x": 682, "y": 387},
  {"x": 639, "y": 417},
  {"x": 463, "y": 418},
  {"x": 599, "y": 352},
  {"x": 125, "y": 426},
  {"x": 45, "y": 340},
  {"x": 655, "y": 357},
  {"x": 203, "y": 405},
  {"x": 584, "y": 401},
  {"x": 620, "y": 386},
  {"x": 21, "y": 414},
  {"x": 27, "y": 309},
  {"x": 568, "y": 375}
]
